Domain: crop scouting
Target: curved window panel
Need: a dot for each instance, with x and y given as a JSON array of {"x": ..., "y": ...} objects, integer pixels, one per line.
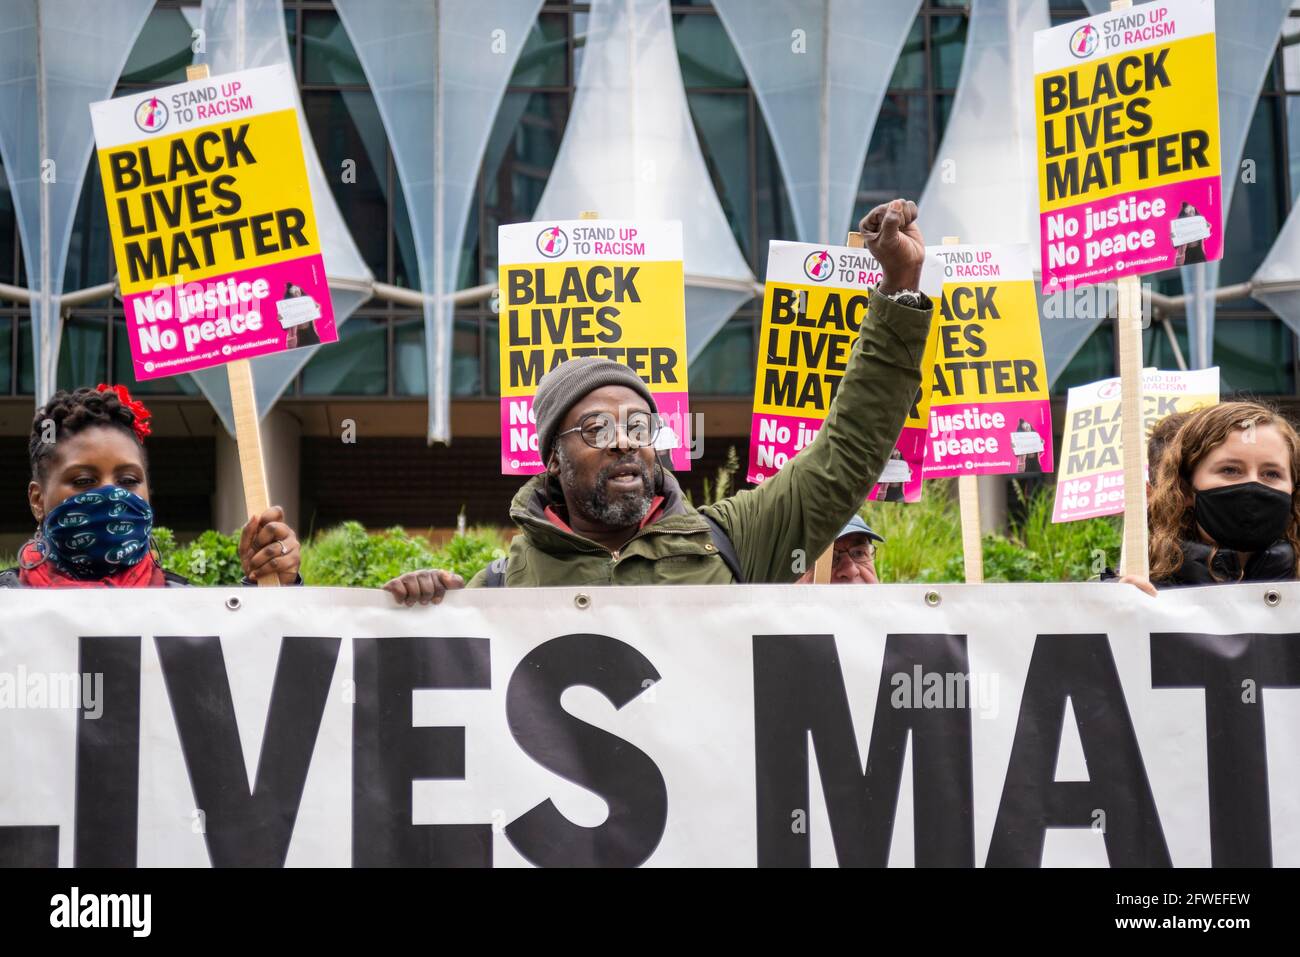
[
  {"x": 408, "y": 357},
  {"x": 327, "y": 53},
  {"x": 162, "y": 51},
  {"x": 707, "y": 57},
  {"x": 356, "y": 365},
  {"x": 725, "y": 367},
  {"x": 1094, "y": 360},
  {"x": 8, "y": 232},
  {"x": 722, "y": 123},
  {"x": 354, "y": 159},
  {"x": 544, "y": 59}
]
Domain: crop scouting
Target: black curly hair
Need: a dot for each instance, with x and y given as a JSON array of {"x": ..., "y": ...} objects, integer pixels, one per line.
[{"x": 71, "y": 413}]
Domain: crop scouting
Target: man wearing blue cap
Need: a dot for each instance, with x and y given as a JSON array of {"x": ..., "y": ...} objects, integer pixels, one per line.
[{"x": 853, "y": 556}]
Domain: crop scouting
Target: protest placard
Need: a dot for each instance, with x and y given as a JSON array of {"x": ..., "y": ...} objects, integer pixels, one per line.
[
  {"x": 987, "y": 380},
  {"x": 1128, "y": 143},
  {"x": 591, "y": 288},
  {"x": 813, "y": 304},
  {"x": 1091, "y": 479},
  {"x": 212, "y": 223},
  {"x": 814, "y": 301}
]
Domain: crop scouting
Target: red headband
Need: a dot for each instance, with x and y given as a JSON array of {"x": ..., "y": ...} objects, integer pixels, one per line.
[{"x": 142, "y": 415}]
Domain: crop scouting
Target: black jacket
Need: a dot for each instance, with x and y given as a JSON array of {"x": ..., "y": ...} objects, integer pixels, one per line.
[{"x": 1274, "y": 564}]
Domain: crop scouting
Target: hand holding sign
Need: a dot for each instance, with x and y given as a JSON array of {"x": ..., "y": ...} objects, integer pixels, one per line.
[
  {"x": 267, "y": 546},
  {"x": 893, "y": 237}
]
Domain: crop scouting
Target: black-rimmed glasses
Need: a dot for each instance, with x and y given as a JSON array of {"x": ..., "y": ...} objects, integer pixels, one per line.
[{"x": 600, "y": 430}]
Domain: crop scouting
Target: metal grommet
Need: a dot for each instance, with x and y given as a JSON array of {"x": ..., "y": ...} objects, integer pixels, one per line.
[
  {"x": 1272, "y": 598},
  {"x": 708, "y": 547},
  {"x": 233, "y": 603},
  {"x": 582, "y": 601},
  {"x": 932, "y": 598}
]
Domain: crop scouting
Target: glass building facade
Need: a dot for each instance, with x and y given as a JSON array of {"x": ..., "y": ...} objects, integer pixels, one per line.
[{"x": 380, "y": 355}]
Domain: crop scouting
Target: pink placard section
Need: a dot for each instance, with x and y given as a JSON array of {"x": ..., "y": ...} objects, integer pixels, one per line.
[
  {"x": 775, "y": 440},
  {"x": 975, "y": 439},
  {"x": 519, "y": 454},
  {"x": 911, "y": 447},
  {"x": 1129, "y": 235},
  {"x": 189, "y": 326},
  {"x": 1090, "y": 496}
]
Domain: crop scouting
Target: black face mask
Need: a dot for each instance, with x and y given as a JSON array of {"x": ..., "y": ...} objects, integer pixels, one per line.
[{"x": 1245, "y": 517}]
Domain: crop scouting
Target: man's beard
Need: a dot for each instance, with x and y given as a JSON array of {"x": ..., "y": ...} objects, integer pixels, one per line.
[{"x": 620, "y": 509}]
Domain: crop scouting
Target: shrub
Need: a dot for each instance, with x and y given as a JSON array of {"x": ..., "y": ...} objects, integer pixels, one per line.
[
  {"x": 211, "y": 559},
  {"x": 923, "y": 541},
  {"x": 348, "y": 556},
  {"x": 467, "y": 554}
]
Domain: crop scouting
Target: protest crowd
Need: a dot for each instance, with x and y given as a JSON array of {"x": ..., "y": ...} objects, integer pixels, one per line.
[{"x": 1225, "y": 506}]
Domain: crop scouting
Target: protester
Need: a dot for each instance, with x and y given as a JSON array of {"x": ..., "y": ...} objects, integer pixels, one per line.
[
  {"x": 1225, "y": 506},
  {"x": 604, "y": 512},
  {"x": 89, "y": 493},
  {"x": 853, "y": 557}
]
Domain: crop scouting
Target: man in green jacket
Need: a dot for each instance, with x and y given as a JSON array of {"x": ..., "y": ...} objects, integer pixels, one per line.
[{"x": 606, "y": 513}]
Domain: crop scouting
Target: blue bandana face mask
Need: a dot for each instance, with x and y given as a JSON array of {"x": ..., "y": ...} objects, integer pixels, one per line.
[{"x": 97, "y": 533}]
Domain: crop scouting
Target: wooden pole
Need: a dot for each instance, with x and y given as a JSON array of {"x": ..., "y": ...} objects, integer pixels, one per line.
[
  {"x": 1128, "y": 321},
  {"x": 968, "y": 503},
  {"x": 243, "y": 403},
  {"x": 826, "y": 561},
  {"x": 1128, "y": 329}
]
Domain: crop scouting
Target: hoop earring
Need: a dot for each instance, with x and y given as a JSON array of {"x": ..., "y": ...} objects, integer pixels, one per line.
[
  {"x": 38, "y": 545},
  {"x": 155, "y": 551}
]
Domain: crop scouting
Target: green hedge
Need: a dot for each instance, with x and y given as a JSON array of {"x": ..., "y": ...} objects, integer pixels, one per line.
[{"x": 923, "y": 541}]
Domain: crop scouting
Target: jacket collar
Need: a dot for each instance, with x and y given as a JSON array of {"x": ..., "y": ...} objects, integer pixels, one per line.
[
  {"x": 1275, "y": 563},
  {"x": 528, "y": 511}
]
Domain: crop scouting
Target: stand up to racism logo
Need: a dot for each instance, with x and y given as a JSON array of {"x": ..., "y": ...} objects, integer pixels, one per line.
[{"x": 552, "y": 242}]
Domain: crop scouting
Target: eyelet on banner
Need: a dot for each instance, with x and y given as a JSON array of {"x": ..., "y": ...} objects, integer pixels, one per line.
[
  {"x": 582, "y": 601},
  {"x": 233, "y": 603},
  {"x": 1272, "y": 598},
  {"x": 932, "y": 599}
]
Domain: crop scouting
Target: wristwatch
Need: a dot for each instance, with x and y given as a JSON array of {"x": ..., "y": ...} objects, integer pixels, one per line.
[{"x": 912, "y": 298}]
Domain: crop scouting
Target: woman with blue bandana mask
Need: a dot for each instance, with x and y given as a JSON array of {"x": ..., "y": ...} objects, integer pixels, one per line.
[{"x": 89, "y": 494}]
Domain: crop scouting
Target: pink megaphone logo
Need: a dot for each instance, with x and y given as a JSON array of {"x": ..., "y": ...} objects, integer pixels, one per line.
[
  {"x": 151, "y": 114},
  {"x": 817, "y": 265},
  {"x": 552, "y": 242},
  {"x": 1083, "y": 41}
]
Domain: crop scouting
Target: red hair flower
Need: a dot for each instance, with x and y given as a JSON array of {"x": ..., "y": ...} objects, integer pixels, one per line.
[{"x": 142, "y": 415}]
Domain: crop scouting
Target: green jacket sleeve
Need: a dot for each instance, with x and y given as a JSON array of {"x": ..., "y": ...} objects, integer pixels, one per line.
[{"x": 807, "y": 502}]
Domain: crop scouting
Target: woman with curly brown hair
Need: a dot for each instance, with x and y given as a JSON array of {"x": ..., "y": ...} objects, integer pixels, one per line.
[
  {"x": 1224, "y": 504},
  {"x": 89, "y": 494}
]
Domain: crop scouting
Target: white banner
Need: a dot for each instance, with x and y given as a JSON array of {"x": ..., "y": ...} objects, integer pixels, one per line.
[{"x": 1083, "y": 724}]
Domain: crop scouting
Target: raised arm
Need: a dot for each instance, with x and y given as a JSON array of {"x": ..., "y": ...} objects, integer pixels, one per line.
[{"x": 799, "y": 510}]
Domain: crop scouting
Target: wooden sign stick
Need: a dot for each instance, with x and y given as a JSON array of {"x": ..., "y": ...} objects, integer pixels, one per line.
[
  {"x": 248, "y": 435},
  {"x": 1128, "y": 329},
  {"x": 968, "y": 503}
]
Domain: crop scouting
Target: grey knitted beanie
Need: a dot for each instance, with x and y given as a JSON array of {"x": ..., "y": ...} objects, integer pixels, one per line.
[{"x": 560, "y": 390}]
